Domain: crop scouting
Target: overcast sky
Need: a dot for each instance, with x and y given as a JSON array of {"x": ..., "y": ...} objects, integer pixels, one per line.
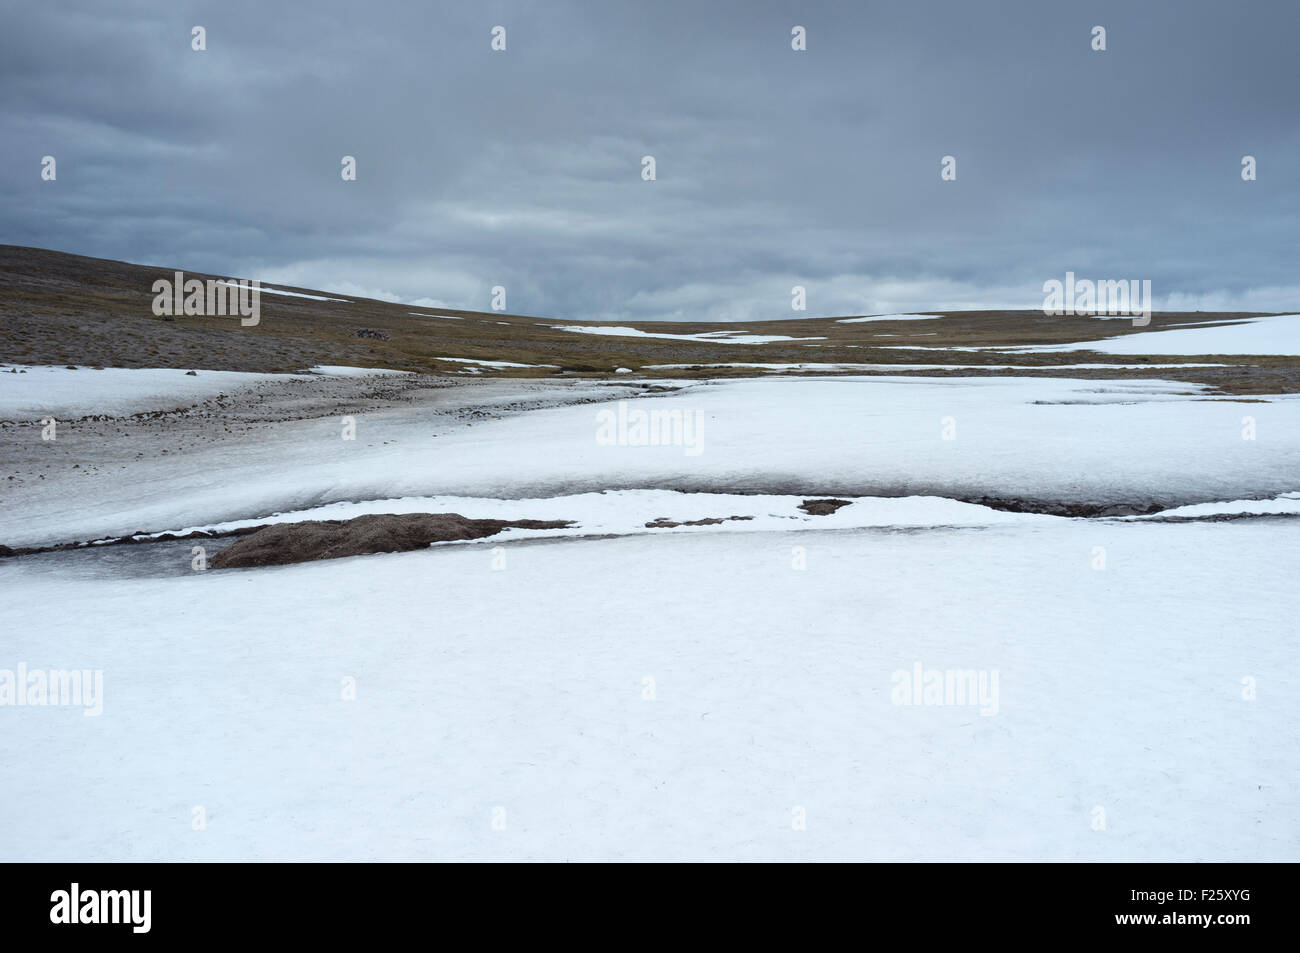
[{"x": 774, "y": 168}]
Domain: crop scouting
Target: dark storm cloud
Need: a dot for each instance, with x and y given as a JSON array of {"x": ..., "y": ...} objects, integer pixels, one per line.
[{"x": 775, "y": 168}]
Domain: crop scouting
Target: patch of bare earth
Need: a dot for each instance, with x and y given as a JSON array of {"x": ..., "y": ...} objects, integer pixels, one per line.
[
  {"x": 822, "y": 507},
  {"x": 285, "y": 543}
]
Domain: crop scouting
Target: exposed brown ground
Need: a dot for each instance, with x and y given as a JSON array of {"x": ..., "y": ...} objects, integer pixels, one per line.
[
  {"x": 309, "y": 540},
  {"x": 57, "y": 308}
]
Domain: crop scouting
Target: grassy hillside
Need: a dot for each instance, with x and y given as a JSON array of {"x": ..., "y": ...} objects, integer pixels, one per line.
[{"x": 57, "y": 308}]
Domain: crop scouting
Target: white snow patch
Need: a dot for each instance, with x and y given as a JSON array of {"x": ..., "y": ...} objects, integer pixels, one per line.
[
  {"x": 472, "y": 360},
  {"x": 770, "y": 689},
  {"x": 1286, "y": 504},
  {"x": 1277, "y": 334},
  {"x": 59, "y": 392},
  {"x": 625, "y": 512},
  {"x": 340, "y": 370},
  {"x": 889, "y": 317},
  {"x": 292, "y": 294},
  {"x": 849, "y": 368},
  {"x": 711, "y": 337}
]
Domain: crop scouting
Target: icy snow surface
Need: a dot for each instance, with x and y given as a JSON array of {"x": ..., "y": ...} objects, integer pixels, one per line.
[
  {"x": 1277, "y": 334},
  {"x": 59, "y": 392},
  {"x": 611, "y": 695},
  {"x": 1043, "y": 438},
  {"x": 680, "y": 698},
  {"x": 889, "y": 317},
  {"x": 292, "y": 294},
  {"x": 339, "y": 370},
  {"x": 711, "y": 337}
]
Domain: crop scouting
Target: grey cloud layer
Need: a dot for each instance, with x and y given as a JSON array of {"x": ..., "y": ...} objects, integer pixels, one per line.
[{"x": 775, "y": 168}]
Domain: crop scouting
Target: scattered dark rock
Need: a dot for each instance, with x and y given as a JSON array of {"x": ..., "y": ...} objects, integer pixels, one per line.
[
  {"x": 1051, "y": 508},
  {"x": 822, "y": 507},
  {"x": 664, "y": 523},
  {"x": 285, "y": 543},
  {"x": 370, "y": 333},
  {"x": 1226, "y": 518}
]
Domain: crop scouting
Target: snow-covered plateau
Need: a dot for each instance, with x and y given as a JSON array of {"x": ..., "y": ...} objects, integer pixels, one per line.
[{"x": 940, "y": 669}]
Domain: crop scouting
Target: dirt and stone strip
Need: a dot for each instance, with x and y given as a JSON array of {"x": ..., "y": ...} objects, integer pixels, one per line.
[{"x": 285, "y": 543}]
